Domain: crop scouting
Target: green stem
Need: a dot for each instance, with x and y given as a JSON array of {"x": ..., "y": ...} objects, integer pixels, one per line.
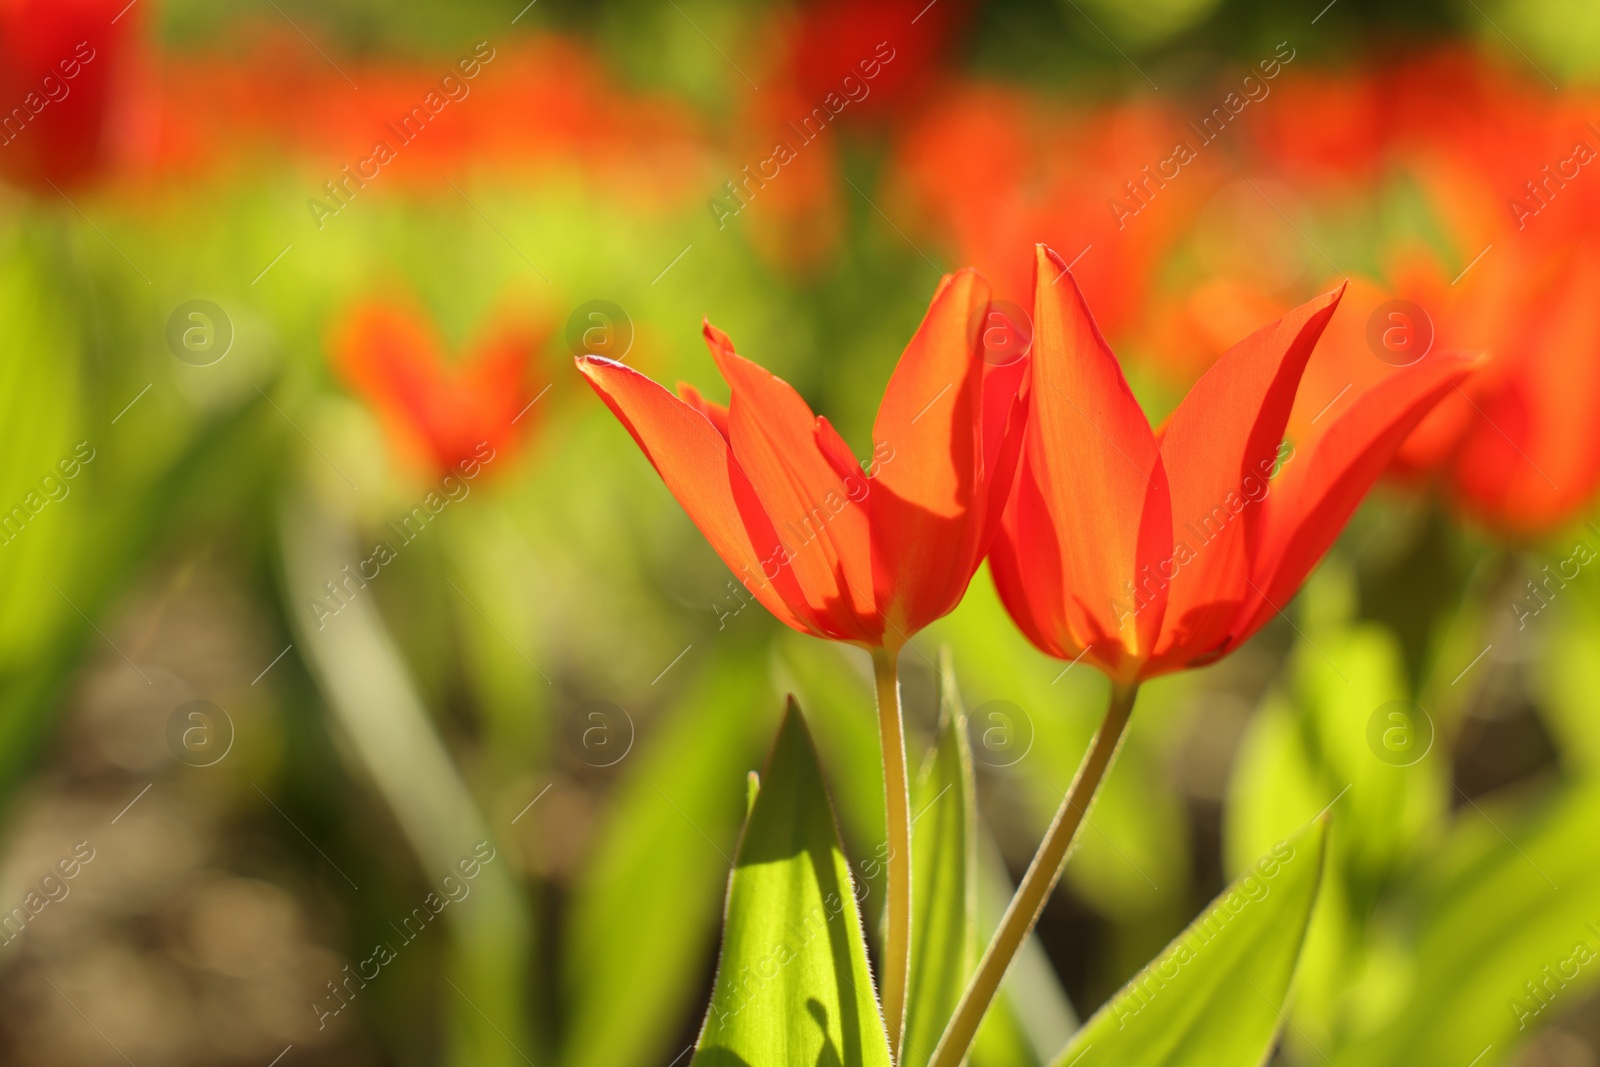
[
  {"x": 1034, "y": 892},
  {"x": 897, "y": 821}
]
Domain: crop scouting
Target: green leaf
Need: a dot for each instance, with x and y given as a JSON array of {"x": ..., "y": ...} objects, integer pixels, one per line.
[
  {"x": 1277, "y": 784},
  {"x": 1509, "y": 937},
  {"x": 1002, "y": 1041},
  {"x": 833, "y": 685},
  {"x": 1568, "y": 675},
  {"x": 943, "y": 890},
  {"x": 1313, "y": 742},
  {"x": 793, "y": 986},
  {"x": 1351, "y": 675},
  {"x": 1213, "y": 997},
  {"x": 1031, "y": 1017}
]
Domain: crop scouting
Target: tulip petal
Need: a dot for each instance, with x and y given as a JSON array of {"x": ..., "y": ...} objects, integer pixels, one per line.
[
  {"x": 1005, "y": 423},
  {"x": 773, "y": 435},
  {"x": 1100, "y": 478},
  {"x": 693, "y": 460},
  {"x": 838, "y": 454},
  {"x": 1314, "y": 497},
  {"x": 709, "y": 408},
  {"x": 1025, "y": 563},
  {"x": 1218, "y": 448},
  {"x": 926, "y": 541}
]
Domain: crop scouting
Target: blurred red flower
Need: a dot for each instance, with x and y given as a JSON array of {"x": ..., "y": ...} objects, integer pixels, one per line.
[
  {"x": 788, "y": 195},
  {"x": 830, "y": 40},
  {"x": 1528, "y": 458},
  {"x": 438, "y": 412},
  {"x": 1515, "y": 447},
  {"x": 61, "y": 62},
  {"x": 991, "y": 171},
  {"x": 838, "y": 64},
  {"x": 543, "y": 105},
  {"x": 1513, "y": 176},
  {"x": 1510, "y": 178}
]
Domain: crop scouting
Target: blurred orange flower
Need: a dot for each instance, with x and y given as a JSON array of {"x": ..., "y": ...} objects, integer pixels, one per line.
[
  {"x": 837, "y": 63},
  {"x": 438, "y": 412},
  {"x": 1515, "y": 447},
  {"x": 1510, "y": 177},
  {"x": 545, "y": 105},
  {"x": 991, "y": 171},
  {"x": 1528, "y": 459},
  {"x": 787, "y": 195},
  {"x": 1514, "y": 176}
]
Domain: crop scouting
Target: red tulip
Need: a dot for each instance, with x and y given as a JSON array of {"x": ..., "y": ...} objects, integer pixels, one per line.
[
  {"x": 442, "y": 413},
  {"x": 59, "y": 65},
  {"x": 1148, "y": 552},
  {"x": 866, "y": 556}
]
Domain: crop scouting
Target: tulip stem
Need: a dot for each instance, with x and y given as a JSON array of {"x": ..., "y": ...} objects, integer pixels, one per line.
[
  {"x": 1034, "y": 892},
  {"x": 897, "y": 822}
]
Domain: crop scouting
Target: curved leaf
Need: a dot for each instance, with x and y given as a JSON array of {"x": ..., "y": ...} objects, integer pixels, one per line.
[
  {"x": 1509, "y": 936},
  {"x": 793, "y": 986},
  {"x": 1214, "y": 996}
]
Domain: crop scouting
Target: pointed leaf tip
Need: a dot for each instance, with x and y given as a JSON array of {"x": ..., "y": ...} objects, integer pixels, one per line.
[
  {"x": 793, "y": 984},
  {"x": 1216, "y": 993}
]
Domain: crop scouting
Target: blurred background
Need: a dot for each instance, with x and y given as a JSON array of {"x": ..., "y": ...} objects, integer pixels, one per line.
[{"x": 365, "y": 698}]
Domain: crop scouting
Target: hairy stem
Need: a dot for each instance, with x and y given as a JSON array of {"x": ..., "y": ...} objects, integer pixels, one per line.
[
  {"x": 1028, "y": 903},
  {"x": 897, "y": 812}
]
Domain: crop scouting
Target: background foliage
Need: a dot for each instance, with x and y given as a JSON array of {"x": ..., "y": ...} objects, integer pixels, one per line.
[{"x": 559, "y": 668}]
